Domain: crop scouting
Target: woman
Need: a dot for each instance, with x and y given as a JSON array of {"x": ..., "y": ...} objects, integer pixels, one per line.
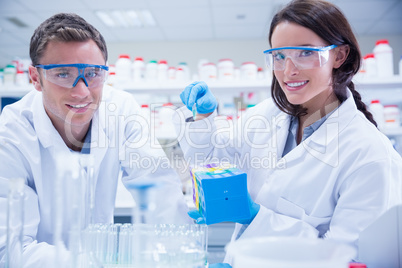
[{"x": 325, "y": 170}]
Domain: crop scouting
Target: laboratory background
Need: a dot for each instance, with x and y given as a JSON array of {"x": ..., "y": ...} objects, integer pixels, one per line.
[{"x": 157, "y": 47}]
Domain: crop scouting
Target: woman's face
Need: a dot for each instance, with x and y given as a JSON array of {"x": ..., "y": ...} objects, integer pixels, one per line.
[{"x": 310, "y": 88}]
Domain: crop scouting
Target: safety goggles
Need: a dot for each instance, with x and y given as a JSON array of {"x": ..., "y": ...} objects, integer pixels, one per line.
[
  {"x": 68, "y": 75},
  {"x": 302, "y": 57}
]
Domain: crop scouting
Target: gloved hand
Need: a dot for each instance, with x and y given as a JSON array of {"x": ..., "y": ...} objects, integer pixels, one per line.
[
  {"x": 194, "y": 214},
  {"x": 199, "y": 93},
  {"x": 253, "y": 207},
  {"x": 220, "y": 265}
]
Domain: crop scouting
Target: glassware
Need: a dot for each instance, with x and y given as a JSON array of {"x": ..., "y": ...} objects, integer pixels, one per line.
[
  {"x": 159, "y": 245},
  {"x": 15, "y": 223}
]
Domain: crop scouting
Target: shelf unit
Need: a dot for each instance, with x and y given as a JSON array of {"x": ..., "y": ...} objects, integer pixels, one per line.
[{"x": 390, "y": 87}]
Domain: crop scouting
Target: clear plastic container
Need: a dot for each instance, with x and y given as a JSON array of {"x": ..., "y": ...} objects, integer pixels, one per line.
[
  {"x": 384, "y": 57},
  {"x": 123, "y": 69},
  {"x": 392, "y": 116},
  {"x": 377, "y": 110}
]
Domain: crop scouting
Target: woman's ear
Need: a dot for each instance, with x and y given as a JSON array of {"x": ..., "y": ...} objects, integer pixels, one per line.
[
  {"x": 35, "y": 78},
  {"x": 342, "y": 53}
]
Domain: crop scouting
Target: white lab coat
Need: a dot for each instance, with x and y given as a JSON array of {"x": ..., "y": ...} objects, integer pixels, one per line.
[
  {"x": 120, "y": 141},
  {"x": 331, "y": 186}
]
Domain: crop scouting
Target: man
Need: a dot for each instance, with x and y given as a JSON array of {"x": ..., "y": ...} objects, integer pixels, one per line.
[{"x": 72, "y": 111}]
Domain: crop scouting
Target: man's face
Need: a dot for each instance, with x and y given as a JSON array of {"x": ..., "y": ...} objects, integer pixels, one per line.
[{"x": 69, "y": 108}]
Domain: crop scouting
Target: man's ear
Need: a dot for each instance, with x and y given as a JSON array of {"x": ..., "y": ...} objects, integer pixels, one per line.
[
  {"x": 342, "y": 53},
  {"x": 35, "y": 78}
]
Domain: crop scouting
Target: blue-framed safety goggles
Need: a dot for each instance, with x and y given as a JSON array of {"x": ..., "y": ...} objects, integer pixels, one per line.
[
  {"x": 68, "y": 75},
  {"x": 302, "y": 57}
]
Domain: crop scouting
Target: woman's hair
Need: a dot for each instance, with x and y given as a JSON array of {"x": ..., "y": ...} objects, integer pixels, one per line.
[
  {"x": 63, "y": 27},
  {"x": 329, "y": 23}
]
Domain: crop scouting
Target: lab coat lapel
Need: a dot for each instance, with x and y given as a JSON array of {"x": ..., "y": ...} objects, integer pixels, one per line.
[
  {"x": 323, "y": 143},
  {"x": 99, "y": 140}
]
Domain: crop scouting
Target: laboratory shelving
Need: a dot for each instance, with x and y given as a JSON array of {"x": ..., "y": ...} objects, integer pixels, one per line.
[{"x": 388, "y": 90}]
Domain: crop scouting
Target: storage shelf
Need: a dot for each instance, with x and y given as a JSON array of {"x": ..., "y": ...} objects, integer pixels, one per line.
[{"x": 170, "y": 87}]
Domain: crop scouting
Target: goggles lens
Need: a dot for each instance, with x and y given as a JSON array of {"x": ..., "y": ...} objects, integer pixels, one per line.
[
  {"x": 68, "y": 75},
  {"x": 302, "y": 57}
]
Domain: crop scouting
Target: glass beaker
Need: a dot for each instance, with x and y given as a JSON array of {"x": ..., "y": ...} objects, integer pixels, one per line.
[{"x": 15, "y": 223}]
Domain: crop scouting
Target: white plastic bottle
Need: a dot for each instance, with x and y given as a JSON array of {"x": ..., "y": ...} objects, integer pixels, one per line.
[
  {"x": 123, "y": 69},
  {"x": 186, "y": 70},
  {"x": 171, "y": 73},
  {"x": 208, "y": 72},
  {"x": 180, "y": 75},
  {"x": 377, "y": 110},
  {"x": 138, "y": 69},
  {"x": 260, "y": 73},
  {"x": 225, "y": 70},
  {"x": 370, "y": 65},
  {"x": 248, "y": 71},
  {"x": 9, "y": 75},
  {"x": 21, "y": 78},
  {"x": 384, "y": 58},
  {"x": 1, "y": 76},
  {"x": 162, "y": 70},
  {"x": 151, "y": 71},
  {"x": 392, "y": 116}
]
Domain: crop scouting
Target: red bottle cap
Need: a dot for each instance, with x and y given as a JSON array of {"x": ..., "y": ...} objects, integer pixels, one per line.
[
  {"x": 382, "y": 41},
  {"x": 357, "y": 265},
  {"x": 124, "y": 56}
]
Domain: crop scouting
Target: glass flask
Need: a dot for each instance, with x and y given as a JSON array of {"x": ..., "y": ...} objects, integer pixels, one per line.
[{"x": 15, "y": 223}]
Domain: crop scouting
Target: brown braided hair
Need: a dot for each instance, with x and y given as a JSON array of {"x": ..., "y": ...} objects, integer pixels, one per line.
[{"x": 329, "y": 23}]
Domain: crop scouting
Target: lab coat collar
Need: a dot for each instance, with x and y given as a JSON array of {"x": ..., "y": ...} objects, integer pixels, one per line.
[
  {"x": 49, "y": 136},
  {"x": 46, "y": 132},
  {"x": 317, "y": 144}
]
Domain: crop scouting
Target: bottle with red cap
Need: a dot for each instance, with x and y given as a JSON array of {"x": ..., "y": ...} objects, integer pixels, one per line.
[
  {"x": 370, "y": 65},
  {"x": 123, "y": 69},
  {"x": 357, "y": 265},
  {"x": 138, "y": 69},
  {"x": 377, "y": 110},
  {"x": 162, "y": 70},
  {"x": 384, "y": 58}
]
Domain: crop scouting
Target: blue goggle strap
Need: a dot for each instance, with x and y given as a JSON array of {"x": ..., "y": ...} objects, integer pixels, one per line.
[{"x": 269, "y": 51}]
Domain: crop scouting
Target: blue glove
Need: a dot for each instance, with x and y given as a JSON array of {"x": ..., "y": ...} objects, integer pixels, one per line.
[
  {"x": 220, "y": 265},
  {"x": 253, "y": 207},
  {"x": 199, "y": 93},
  {"x": 194, "y": 214}
]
